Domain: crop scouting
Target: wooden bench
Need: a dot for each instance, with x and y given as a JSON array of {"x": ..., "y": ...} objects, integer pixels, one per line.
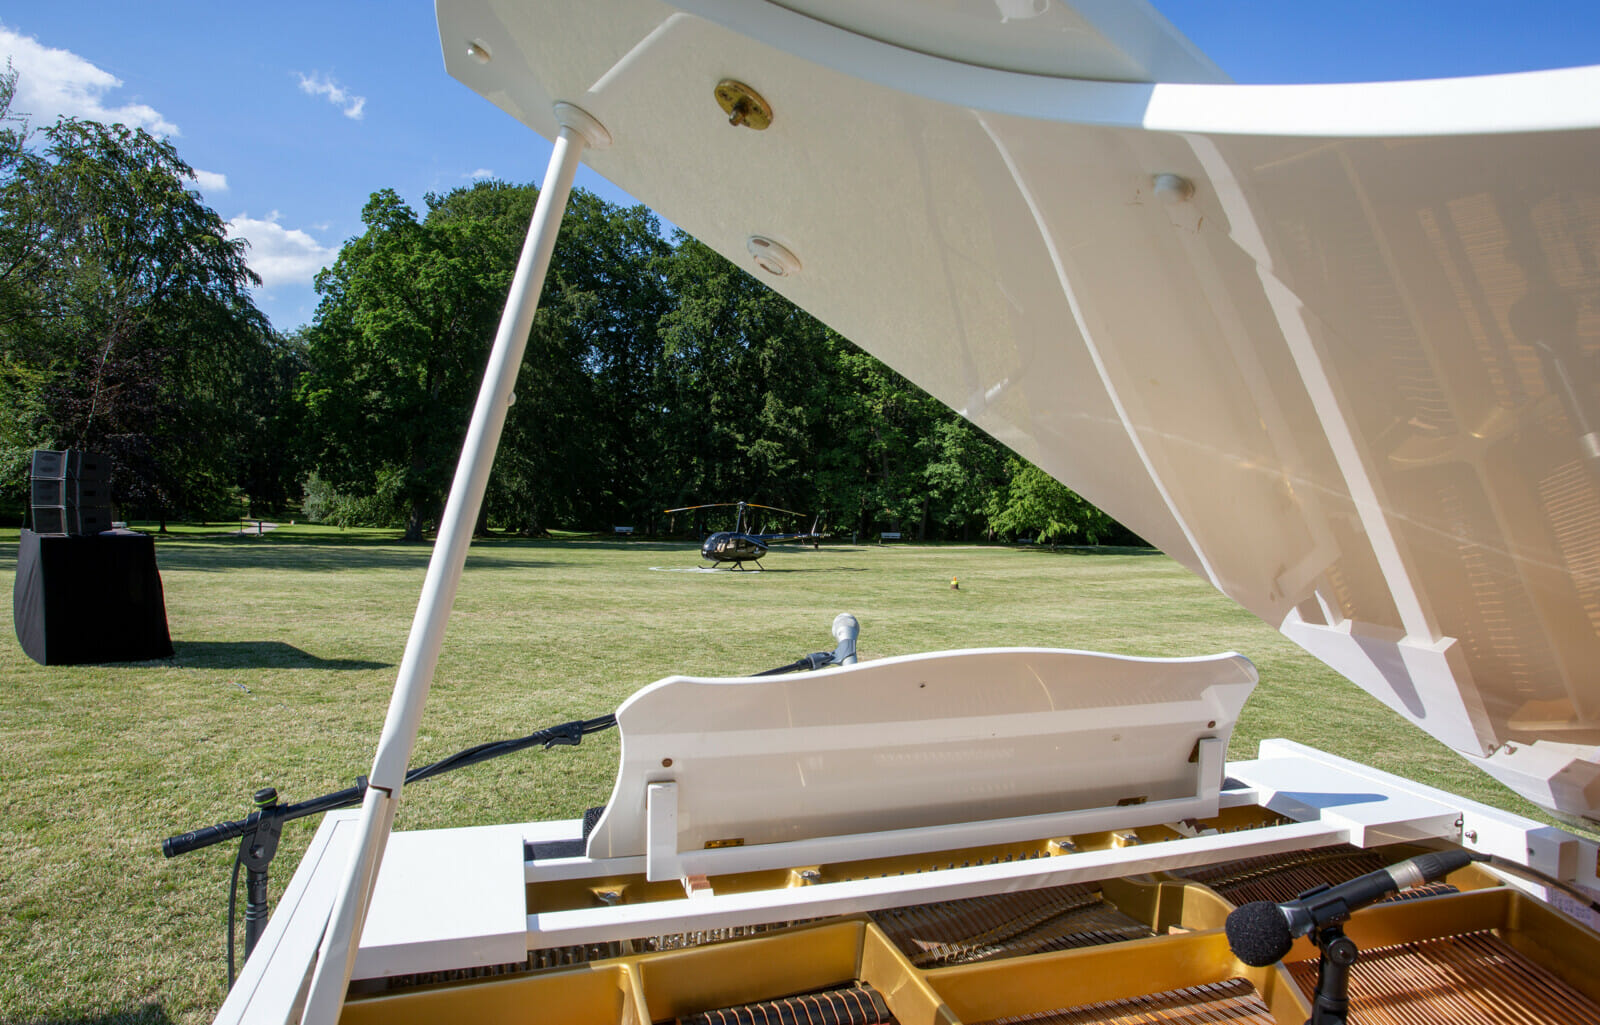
[
  {"x": 888, "y": 535},
  {"x": 624, "y": 531}
]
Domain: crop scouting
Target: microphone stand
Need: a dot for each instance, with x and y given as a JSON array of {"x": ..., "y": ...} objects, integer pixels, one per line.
[
  {"x": 260, "y": 831},
  {"x": 1331, "y": 1005},
  {"x": 258, "y": 834},
  {"x": 257, "y": 848}
]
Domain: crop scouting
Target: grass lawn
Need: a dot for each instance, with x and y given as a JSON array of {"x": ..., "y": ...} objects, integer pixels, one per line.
[{"x": 287, "y": 648}]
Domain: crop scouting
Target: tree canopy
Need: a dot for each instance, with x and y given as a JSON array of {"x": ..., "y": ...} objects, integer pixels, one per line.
[
  {"x": 126, "y": 322},
  {"x": 657, "y": 373}
]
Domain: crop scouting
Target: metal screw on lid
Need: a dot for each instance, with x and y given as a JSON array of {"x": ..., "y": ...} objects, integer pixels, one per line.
[{"x": 743, "y": 105}]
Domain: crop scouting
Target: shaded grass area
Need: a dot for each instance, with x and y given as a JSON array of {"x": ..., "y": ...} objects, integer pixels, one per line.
[{"x": 286, "y": 647}]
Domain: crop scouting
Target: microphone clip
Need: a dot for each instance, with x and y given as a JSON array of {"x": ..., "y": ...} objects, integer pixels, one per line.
[
  {"x": 1307, "y": 914},
  {"x": 568, "y": 734}
]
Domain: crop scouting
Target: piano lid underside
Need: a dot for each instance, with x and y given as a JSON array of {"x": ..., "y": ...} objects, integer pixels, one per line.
[{"x": 1353, "y": 382}]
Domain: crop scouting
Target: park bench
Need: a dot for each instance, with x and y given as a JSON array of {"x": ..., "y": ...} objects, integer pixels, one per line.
[
  {"x": 624, "y": 531},
  {"x": 888, "y": 535}
]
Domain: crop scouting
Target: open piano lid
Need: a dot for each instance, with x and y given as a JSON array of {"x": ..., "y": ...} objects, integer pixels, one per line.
[{"x": 1334, "y": 348}]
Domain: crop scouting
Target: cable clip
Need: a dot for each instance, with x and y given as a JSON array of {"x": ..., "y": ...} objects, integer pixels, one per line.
[{"x": 568, "y": 734}]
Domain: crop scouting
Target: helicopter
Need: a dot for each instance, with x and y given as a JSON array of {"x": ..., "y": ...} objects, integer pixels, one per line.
[{"x": 740, "y": 545}]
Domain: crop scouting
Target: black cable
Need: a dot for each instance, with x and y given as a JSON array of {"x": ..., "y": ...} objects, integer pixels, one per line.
[
  {"x": 790, "y": 668},
  {"x": 233, "y": 900},
  {"x": 567, "y": 734},
  {"x": 564, "y": 734},
  {"x": 816, "y": 660},
  {"x": 1529, "y": 872}
]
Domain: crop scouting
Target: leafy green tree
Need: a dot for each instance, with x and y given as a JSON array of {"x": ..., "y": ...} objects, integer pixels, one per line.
[
  {"x": 269, "y": 458},
  {"x": 656, "y": 374},
  {"x": 590, "y": 430},
  {"x": 1034, "y": 502},
  {"x": 125, "y": 314},
  {"x": 397, "y": 351},
  {"x": 22, "y": 230},
  {"x": 745, "y": 384},
  {"x": 397, "y": 346},
  {"x": 964, "y": 469},
  {"x": 875, "y": 467}
]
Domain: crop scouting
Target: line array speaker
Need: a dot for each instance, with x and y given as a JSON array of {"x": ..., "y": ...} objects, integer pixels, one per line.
[
  {"x": 69, "y": 494},
  {"x": 50, "y": 464}
]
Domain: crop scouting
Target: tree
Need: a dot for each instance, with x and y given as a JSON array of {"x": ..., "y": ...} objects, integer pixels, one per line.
[
  {"x": 745, "y": 384},
  {"x": 269, "y": 457},
  {"x": 964, "y": 470},
  {"x": 23, "y": 375},
  {"x": 1034, "y": 501},
  {"x": 125, "y": 314},
  {"x": 582, "y": 443},
  {"x": 874, "y": 465},
  {"x": 655, "y": 374},
  {"x": 397, "y": 350},
  {"x": 399, "y": 336},
  {"x": 21, "y": 229}
]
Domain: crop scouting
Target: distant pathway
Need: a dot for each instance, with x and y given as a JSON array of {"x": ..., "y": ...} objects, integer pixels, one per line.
[{"x": 255, "y": 528}]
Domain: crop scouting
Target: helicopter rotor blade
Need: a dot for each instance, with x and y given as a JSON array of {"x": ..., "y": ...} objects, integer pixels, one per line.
[
  {"x": 708, "y": 505},
  {"x": 719, "y": 505}
]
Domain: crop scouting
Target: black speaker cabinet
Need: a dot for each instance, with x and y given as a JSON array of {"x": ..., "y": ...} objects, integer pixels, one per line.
[
  {"x": 50, "y": 519},
  {"x": 71, "y": 519},
  {"x": 69, "y": 491},
  {"x": 50, "y": 464},
  {"x": 89, "y": 519}
]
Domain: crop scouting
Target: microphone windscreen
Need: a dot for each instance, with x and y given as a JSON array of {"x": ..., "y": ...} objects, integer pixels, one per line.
[
  {"x": 845, "y": 630},
  {"x": 1258, "y": 933}
]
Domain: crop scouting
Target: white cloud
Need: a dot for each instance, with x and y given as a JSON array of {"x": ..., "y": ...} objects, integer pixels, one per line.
[
  {"x": 210, "y": 181},
  {"x": 318, "y": 84},
  {"x": 282, "y": 256},
  {"x": 482, "y": 172},
  {"x": 52, "y": 82}
]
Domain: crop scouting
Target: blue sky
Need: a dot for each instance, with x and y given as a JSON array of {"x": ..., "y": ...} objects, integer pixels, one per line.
[{"x": 295, "y": 112}]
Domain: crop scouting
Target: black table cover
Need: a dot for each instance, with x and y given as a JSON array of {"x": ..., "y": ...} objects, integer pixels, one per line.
[{"x": 89, "y": 599}]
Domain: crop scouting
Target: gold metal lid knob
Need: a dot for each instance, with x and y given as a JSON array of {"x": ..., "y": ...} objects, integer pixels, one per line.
[{"x": 743, "y": 105}]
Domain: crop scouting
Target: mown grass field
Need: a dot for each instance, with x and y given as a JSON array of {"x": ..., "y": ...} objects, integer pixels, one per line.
[{"x": 287, "y": 647}]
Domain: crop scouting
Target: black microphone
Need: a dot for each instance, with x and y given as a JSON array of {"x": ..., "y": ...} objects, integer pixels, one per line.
[{"x": 1260, "y": 933}]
